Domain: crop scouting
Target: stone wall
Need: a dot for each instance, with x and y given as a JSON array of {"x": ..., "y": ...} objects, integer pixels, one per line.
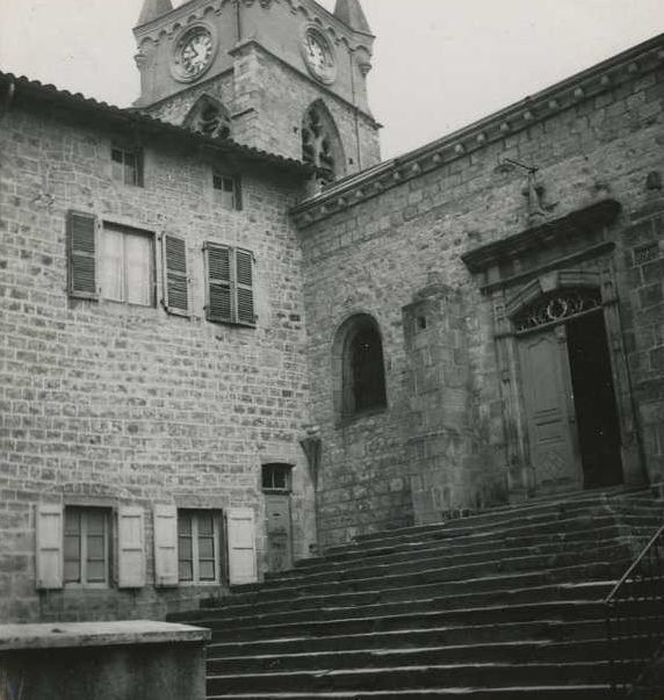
[
  {"x": 374, "y": 247},
  {"x": 105, "y": 403}
]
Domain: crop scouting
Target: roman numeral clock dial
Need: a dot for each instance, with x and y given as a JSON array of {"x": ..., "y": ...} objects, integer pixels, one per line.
[
  {"x": 319, "y": 56},
  {"x": 193, "y": 53}
]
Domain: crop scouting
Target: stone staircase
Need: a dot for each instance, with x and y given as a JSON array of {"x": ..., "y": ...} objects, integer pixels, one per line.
[{"x": 503, "y": 604}]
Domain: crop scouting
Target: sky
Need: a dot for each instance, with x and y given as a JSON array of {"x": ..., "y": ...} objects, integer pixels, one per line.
[{"x": 438, "y": 64}]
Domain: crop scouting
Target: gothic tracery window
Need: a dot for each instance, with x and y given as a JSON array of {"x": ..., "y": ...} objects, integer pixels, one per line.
[
  {"x": 321, "y": 145},
  {"x": 209, "y": 117}
]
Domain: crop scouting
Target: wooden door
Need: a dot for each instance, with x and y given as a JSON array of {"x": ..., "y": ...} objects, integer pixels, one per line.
[
  {"x": 549, "y": 404},
  {"x": 279, "y": 547}
]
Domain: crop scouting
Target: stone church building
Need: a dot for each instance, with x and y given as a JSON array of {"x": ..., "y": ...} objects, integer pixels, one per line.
[{"x": 233, "y": 336}]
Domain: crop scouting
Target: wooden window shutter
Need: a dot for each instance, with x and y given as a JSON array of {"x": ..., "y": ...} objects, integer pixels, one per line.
[
  {"x": 244, "y": 261},
  {"x": 176, "y": 282},
  {"x": 165, "y": 546},
  {"x": 241, "y": 545},
  {"x": 49, "y": 523},
  {"x": 220, "y": 306},
  {"x": 131, "y": 548},
  {"x": 81, "y": 248}
]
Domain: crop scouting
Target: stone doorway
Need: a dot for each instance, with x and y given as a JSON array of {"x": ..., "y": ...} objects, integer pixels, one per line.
[{"x": 571, "y": 414}]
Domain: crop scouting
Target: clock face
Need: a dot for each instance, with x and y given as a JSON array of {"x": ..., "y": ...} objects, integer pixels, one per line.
[
  {"x": 318, "y": 56},
  {"x": 193, "y": 52},
  {"x": 196, "y": 52}
]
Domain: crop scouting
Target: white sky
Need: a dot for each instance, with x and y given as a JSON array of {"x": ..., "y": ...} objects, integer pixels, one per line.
[{"x": 438, "y": 64}]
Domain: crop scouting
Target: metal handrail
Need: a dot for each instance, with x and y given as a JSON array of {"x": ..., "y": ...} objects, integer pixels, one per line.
[
  {"x": 635, "y": 564},
  {"x": 635, "y": 617}
]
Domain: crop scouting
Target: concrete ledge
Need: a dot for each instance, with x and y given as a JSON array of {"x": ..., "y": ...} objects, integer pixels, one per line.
[{"x": 62, "y": 635}]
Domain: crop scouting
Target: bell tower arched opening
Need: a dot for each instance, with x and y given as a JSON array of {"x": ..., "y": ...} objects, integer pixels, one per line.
[{"x": 321, "y": 144}]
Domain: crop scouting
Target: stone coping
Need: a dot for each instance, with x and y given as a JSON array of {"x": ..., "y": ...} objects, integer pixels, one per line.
[{"x": 60, "y": 635}]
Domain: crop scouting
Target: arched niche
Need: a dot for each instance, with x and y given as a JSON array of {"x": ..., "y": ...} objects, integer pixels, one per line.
[{"x": 359, "y": 368}]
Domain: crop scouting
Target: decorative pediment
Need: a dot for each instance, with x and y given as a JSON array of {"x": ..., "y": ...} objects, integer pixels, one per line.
[{"x": 544, "y": 246}]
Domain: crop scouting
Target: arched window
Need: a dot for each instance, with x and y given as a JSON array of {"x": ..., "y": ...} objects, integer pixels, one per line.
[
  {"x": 209, "y": 117},
  {"x": 359, "y": 367},
  {"x": 321, "y": 145}
]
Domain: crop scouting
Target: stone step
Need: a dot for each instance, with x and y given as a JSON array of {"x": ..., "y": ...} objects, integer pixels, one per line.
[
  {"x": 569, "y": 692},
  {"x": 239, "y": 629},
  {"x": 336, "y": 595},
  {"x": 511, "y": 558},
  {"x": 336, "y": 584},
  {"x": 516, "y": 528},
  {"x": 496, "y": 516},
  {"x": 571, "y": 502},
  {"x": 410, "y": 677},
  {"x": 505, "y": 545},
  {"x": 451, "y": 635},
  {"x": 297, "y": 610},
  {"x": 521, "y": 652}
]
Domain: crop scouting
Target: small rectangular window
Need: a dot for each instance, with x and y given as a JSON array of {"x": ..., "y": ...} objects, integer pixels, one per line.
[
  {"x": 127, "y": 166},
  {"x": 127, "y": 265},
  {"x": 198, "y": 546},
  {"x": 86, "y": 546},
  {"x": 277, "y": 477},
  {"x": 227, "y": 191}
]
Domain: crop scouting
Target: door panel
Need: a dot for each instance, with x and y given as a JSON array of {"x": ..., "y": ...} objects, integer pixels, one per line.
[
  {"x": 547, "y": 392},
  {"x": 279, "y": 550}
]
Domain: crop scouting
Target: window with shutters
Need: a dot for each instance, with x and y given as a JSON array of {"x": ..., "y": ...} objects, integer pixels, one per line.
[
  {"x": 86, "y": 547},
  {"x": 230, "y": 285},
  {"x": 126, "y": 263},
  {"x": 127, "y": 165},
  {"x": 198, "y": 546},
  {"x": 227, "y": 191}
]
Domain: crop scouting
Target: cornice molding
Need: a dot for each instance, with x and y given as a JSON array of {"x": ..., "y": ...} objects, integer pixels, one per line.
[
  {"x": 168, "y": 24},
  {"x": 627, "y": 66}
]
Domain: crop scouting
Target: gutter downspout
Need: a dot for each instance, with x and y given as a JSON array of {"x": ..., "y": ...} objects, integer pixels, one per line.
[{"x": 238, "y": 22}]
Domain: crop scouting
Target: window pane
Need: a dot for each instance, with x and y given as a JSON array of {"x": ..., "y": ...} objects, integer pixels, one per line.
[
  {"x": 96, "y": 521},
  {"x": 138, "y": 250},
  {"x": 95, "y": 547},
  {"x": 279, "y": 479},
  {"x": 184, "y": 524},
  {"x": 72, "y": 521},
  {"x": 72, "y": 547},
  {"x": 206, "y": 570},
  {"x": 185, "y": 548},
  {"x": 186, "y": 571},
  {"x": 96, "y": 572},
  {"x": 130, "y": 174},
  {"x": 112, "y": 265},
  {"x": 72, "y": 571},
  {"x": 206, "y": 548},
  {"x": 205, "y": 526}
]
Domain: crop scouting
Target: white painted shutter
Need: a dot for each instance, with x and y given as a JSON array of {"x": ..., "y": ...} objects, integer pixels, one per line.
[
  {"x": 49, "y": 522},
  {"x": 241, "y": 545},
  {"x": 131, "y": 549},
  {"x": 165, "y": 546}
]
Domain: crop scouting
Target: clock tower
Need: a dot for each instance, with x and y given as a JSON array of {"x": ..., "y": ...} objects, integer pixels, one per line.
[{"x": 284, "y": 76}]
